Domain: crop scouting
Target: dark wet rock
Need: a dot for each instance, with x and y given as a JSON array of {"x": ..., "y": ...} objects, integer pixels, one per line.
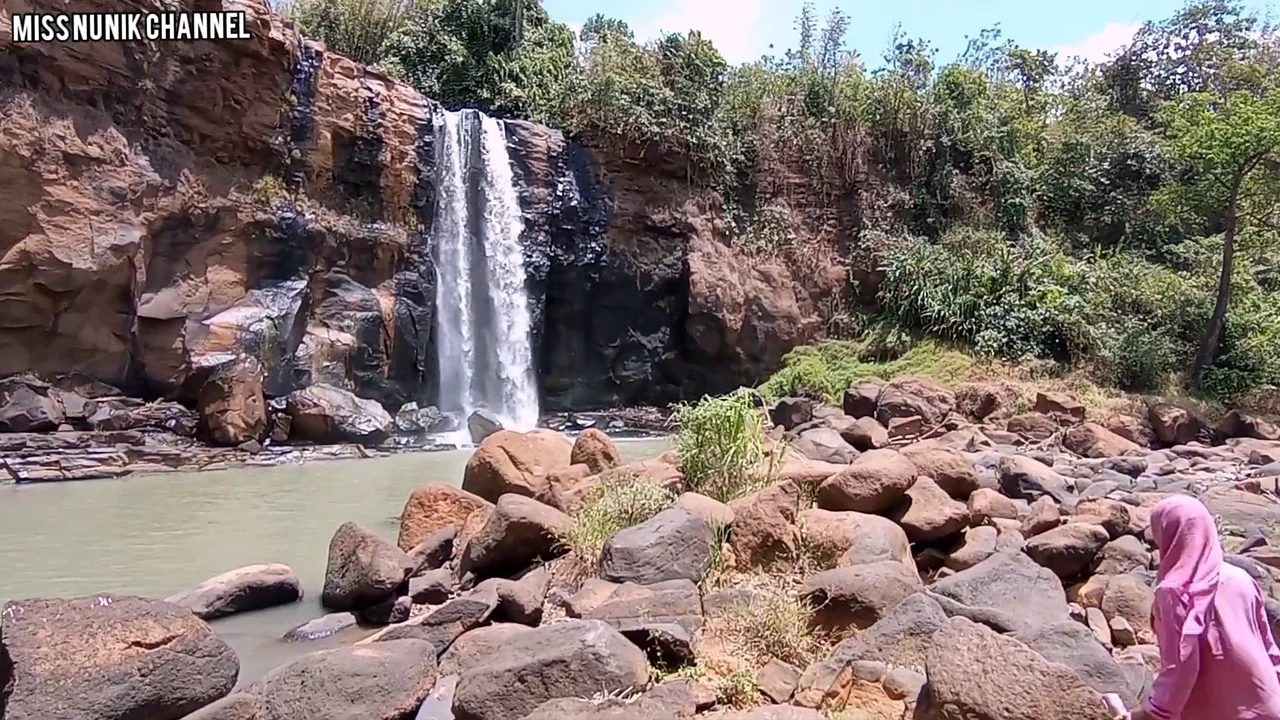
[
  {"x": 858, "y": 596},
  {"x": 481, "y": 424},
  {"x": 518, "y": 532},
  {"x": 363, "y": 569},
  {"x": 860, "y": 401},
  {"x": 570, "y": 659},
  {"x": 110, "y": 657},
  {"x": 674, "y": 544},
  {"x": 322, "y": 627},
  {"x": 791, "y": 412},
  {"x": 327, "y": 414},
  {"x": 248, "y": 588},
  {"x": 977, "y": 673},
  {"x": 1011, "y": 583}
]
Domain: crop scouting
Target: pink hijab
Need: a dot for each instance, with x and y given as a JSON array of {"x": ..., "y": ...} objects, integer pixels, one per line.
[{"x": 1190, "y": 562}]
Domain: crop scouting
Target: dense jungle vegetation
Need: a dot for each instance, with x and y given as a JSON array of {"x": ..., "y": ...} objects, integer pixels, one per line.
[{"x": 1122, "y": 218}]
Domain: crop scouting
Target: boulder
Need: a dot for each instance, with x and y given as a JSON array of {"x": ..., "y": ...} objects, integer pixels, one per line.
[
  {"x": 248, "y": 588},
  {"x": 948, "y": 468},
  {"x": 481, "y": 424},
  {"x": 28, "y": 404},
  {"x": 414, "y": 420},
  {"x": 479, "y": 646},
  {"x": 1240, "y": 425},
  {"x": 432, "y": 587},
  {"x": 1044, "y": 516},
  {"x": 767, "y": 712},
  {"x": 231, "y": 404},
  {"x": 570, "y": 659},
  {"x": 1024, "y": 478},
  {"x": 986, "y": 504},
  {"x": 1033, "y": 426},
  {"x": 858, "y": 596},
  {"x": 434, "y": 552},
  {"x": 716, "y": 513},
  {"x": 1070, "y": 643},
  {"x": 791, "y": 412},
  {"x": 326, "y": 414},
  {"x": 433, "y": 507},
  {"x": 874, "y": 483},
  {"x": 518, "y": 532},
  {"x": 865, "y": 434},
  {"x": 108, "y": 657},
  {"x": 519, "y": 601},
  {"x": 825, "y": 445},
  {"x": 928, "y": 513},
  {"x": 777, "y": 680},
  {"x": 977, "y": 674},
  {"x": 1132, "y": 428},
  {"x": 764, "y": 531},
  {"x": 979, "y": 543},
  {"x": 1175, "y": 425},
  {"x": 850, "y": 538},
  {"x": 596, "y": 450},
  {"x": 442, "y": 626},
  {"x": 1128, "y": 597},
  {"x": 860, "y": 400},
  {"x": 1067, "y": 550},
  {"x": 517, "y": 463},
  {"x": 1112, "y": 515},
  {"x": 1091, "y": 440},
  {"x": 669, "y": 700},
  {"x": 914, "y": 397},
  {"x": 1057, "y": 403},
  {"x": 674, "y": 544},
  {"x": 363, "y": 569},
  {"x": 381, "y": 681},
  {"x": 1011, "y": 583},
  {"x": 1243, "y": 510},
  {"x": 1123, "y": 555},
  {"x": 662, "y": 619}
]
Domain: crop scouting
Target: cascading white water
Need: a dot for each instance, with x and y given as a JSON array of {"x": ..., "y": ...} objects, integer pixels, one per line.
[{"x": 483, "y": 327}]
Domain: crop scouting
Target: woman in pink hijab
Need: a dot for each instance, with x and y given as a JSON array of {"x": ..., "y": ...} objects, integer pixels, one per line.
[{"x": 1218, "y": 659}]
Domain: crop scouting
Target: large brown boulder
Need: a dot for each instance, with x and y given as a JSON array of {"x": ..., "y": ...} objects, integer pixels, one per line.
[
  {"x": 570, "y": 659},
  {"x": 1033, "y": 426},
  {"x": 858, "y": 596},
  {"x": 232, "y": 407},
  {"x": 378, "y": 681},
  {"x": 432, "y": 508},
  {"x": 1174, "y": 424},
  {"x": 865, "y": 434},
  {"x": 764, "y": 531},
  {"x": 1069, "y": 549},
  {"x": 363, "y": 569},
  {"x": 928, "y": 513},
  {"x": 860, "y": 400},
  {"x": 327, "y": 414},
  {"x": 515, "y": 462},
  {"x": 519, "y": 531},
  {"x": 977, "y": 674},
  {"x": 914, "y": 397},
  {"x": 1057, "y": 403},
  {"x": 1237, "y": 424},
  {"x": 106, "y": 657},
  {"x": 851, "y": 538},
  {"x": 873, "y": 483},
  {"x": 28, "y": 404},
  {"x": 596, "y": 450},
  {"x": 248, "y": 588},
  {"x": 1091, "y": 440},
  {"x": 948, "y": 468},
  {"x": 1132, "y": 428}
]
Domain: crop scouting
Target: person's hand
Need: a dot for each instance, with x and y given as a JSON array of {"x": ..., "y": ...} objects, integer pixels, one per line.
[{"x": 1139, "y": 713}]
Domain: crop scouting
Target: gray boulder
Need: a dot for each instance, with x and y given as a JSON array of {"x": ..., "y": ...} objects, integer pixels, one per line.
[
  {"x": 519, "y": 531},
  {"x": 327, "y": 414},
  {"x": 1069, "y": 549},
  {"x": 672, "y": 545},
  {"x": 1024, "y": 478},
  {"x": 248, "y": 588},
  {"x": 1070, "y": 643},
  {"x": 1011, "y": 583},
  {"x": 860, "y": 595},
  {"x": 107, "y": 657},
  {"x": 825, "y": 445},
  {"x": 363, "y": 569},
  {"x": 570, "y": 659}
]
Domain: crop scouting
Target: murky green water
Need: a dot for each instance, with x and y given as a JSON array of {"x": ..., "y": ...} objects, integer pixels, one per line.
[{"x": 156, "y": 535}]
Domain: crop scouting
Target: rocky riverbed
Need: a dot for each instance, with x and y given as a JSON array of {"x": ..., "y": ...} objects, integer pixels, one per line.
[{"x": 899, "y": 557}]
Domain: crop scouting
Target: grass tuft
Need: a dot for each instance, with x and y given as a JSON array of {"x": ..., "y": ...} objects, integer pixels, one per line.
[
  {"x": 721, "y": 445},
  {"x": 776, "y": 624},
  {"x": 611, "y": 507}
]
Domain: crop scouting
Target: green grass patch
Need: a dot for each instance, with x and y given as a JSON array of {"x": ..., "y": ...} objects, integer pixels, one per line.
[
  {"x": 721, "y": 445},
  {"x": 826, "y": 370},
  {"x": 611, "y": 507}
]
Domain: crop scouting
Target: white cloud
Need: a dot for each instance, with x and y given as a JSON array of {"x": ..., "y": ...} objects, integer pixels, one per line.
[
  {"x": 731, "y": 25},
  {"x": 1101, "y": 45}
]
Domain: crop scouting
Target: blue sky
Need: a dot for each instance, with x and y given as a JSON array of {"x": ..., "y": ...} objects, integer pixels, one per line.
[{"x": 744, "y": 29}]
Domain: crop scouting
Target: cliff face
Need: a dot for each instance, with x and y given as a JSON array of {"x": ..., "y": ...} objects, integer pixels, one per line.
[{"x": 169, "y": 206}]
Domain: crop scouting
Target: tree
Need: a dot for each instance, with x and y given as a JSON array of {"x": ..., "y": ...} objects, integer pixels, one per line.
[{"x": 1229, "y": 148}]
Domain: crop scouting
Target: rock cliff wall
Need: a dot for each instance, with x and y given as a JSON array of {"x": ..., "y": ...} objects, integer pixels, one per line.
[{"x": 168, "y": 206}]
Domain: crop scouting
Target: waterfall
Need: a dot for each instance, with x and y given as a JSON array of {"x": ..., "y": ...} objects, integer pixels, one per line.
[{"x": 483, "y": 338}]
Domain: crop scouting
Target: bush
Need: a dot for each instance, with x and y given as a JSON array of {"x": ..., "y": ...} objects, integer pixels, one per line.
[
  {"x": 721, "y": 445},
  {"x": 358, "y": 29},
  {"x": 774, "y": 624},
  {"x": 611, "y": 507}
]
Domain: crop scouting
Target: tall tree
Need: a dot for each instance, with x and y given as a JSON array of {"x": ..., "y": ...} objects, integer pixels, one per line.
[{"x": 1230, "y": 148}]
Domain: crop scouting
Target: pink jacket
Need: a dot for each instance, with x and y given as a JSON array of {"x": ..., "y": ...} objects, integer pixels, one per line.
[{"x": 1219, "y": 660}]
